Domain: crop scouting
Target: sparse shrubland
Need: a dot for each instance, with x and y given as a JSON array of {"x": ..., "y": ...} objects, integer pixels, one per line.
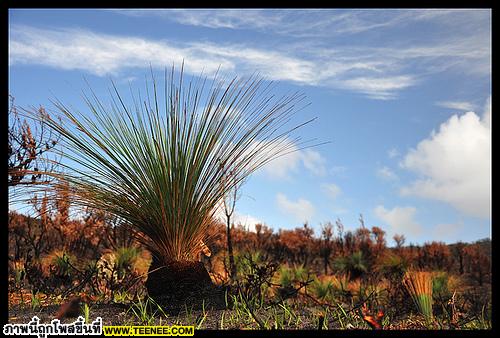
[
  {"x": 270, "y": 291},
  {"x": 154, "y": 175}
]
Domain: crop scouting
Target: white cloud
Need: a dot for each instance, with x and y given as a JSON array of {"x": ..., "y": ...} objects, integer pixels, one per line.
[
  {"x": 281, "y": 167},
  {"x": 456, "y": 105},
  {"x": 400, "y": 219},
  {"x": 387, "y": 174},
  {"x": 332, "y": 190},
  {"x": 454, "y": 164},
  {"x": 301, "y": 210},
  {"x": 284, "y": 166},
  {"x": 248, "y": 221},
  {"x": 313, "y": 161},
  {"x": 283, "y": 158}
]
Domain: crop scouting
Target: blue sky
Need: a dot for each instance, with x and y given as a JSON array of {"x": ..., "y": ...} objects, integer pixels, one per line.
[{"x": 404, "y": 96}]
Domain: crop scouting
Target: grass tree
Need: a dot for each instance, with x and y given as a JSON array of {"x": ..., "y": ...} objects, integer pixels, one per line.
[{"x": 157, "y": 162}]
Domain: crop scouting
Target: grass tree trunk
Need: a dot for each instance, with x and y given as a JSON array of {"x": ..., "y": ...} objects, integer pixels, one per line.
[{"x": 176, "y": 280}]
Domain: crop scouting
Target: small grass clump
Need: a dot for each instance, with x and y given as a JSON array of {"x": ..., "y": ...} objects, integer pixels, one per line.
[
  {"x": 440, "y": 288},
  {"x": 323, "y": 290},
  {"x": 419, "y": 286},
  {"x": 146, "y": 311}
]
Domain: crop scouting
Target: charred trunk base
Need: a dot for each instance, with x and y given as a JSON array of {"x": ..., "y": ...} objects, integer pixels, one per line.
[{"x": 183, "y": 283}]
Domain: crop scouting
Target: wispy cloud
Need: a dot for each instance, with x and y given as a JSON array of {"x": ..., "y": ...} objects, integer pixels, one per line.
[
  {"x": 312, "y": 22},
  {"x": 457, "y": 105},
  {"x": 225, "y": 18},
  {"x": 101, "y": 54},
  {"x": 312, "y": 52},
  {"x": 104, "y": 54},
  {"x": 382, "y": 88}
]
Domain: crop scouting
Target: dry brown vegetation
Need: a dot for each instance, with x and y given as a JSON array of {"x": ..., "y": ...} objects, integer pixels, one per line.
[{"x": 340, "y": 279}]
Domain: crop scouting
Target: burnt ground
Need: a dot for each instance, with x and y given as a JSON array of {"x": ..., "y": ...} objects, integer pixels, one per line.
[
  {"x": 206, "y": 309},
  {"x": 117, "y": 314},
  {"x": 214, "y": 319}
]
